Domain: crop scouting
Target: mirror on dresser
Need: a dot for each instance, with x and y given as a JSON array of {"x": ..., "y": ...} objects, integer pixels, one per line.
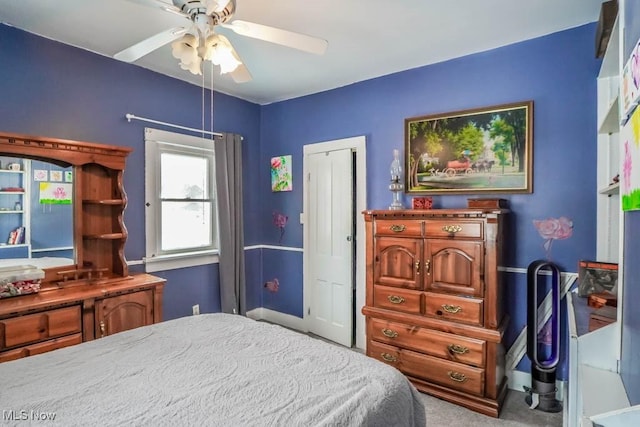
[
  {"x": 36, "y": 213},
  {"x": 42, "y": 179}
]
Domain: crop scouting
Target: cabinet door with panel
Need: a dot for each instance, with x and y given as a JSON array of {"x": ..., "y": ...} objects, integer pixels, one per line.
[
  {"x": 398, "y": 262},
  {"x": 454, "y": 266},
  {"x": 123, "y": 312}
]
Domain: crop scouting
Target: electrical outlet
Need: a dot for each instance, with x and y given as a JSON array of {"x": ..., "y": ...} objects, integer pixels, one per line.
[{"x": 196, "y": 309}]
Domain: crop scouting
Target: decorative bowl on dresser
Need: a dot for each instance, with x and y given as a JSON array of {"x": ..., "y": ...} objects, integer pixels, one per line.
[
  {"x": 434, "y": 302},
  {"x": 94, "y": 296}
]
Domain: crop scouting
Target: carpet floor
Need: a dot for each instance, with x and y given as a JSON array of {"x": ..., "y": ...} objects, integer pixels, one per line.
[{"x": 515, "y": 413}]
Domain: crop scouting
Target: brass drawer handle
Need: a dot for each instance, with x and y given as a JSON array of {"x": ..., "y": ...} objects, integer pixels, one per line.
[
  {"x": 457, "y": 376},
  {"x": 102, "y": 328},
  {"x": 453, "y": 309},
  {"x": 417, "y": 268},
  {"x": 395, "y": 299},
  {"x": 452, "y": 228},
  {"x": 427, "y": 267},
  {"x": 397, "y": 228},
  {"x": 388, "y": 357},
  {"x": 389, "y": 333},
  {"x": 457, "y": 349}
]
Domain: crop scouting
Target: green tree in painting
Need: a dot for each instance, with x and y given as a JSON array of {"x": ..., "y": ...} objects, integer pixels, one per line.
[
  {"x": 504, "y": 137},
  {"x": 511, "y": 124},
  {"x": 468, "y": 140},
  {"x": 425, "y": 138}
]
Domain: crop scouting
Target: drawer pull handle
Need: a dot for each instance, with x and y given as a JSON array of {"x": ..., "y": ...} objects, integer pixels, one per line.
[
  {"x": 453, "y": 309},
  {"x": 453, "y": 229},
  {"x": 427, "y": 267},
  {"x": 417, "y": 268},
  {"x": 102, "y": 328},
  {"x": 457, "y": 349},
  {"x": 395, "y": 299},
  {"x": 397, "y": 228},
  {"x": 457, "y": 376},
  {"x": 389, "y": 333},
  {"x": 388, "y": 357}
]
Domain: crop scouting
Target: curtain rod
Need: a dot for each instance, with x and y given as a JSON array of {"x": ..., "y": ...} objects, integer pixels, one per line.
[{"x": 130, "y": 117}]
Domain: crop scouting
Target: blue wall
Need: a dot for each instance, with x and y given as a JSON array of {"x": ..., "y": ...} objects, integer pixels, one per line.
[
  {"x": 55, "y": 90},
  {"x": 558, "y": 72},
  {"x": 50, "y": 89}
]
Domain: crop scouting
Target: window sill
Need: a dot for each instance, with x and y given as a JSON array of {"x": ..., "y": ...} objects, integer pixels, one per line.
[{"x": 172, "y": 262}]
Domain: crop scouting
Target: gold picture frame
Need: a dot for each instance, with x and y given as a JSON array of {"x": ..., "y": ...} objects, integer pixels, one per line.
[{"x": 483, "y": 150}]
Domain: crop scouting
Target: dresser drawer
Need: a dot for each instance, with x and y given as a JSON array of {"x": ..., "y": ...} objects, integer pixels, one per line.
[
  {"x": 384, "y": 353},
  {"x": 398, "y": 227},
  {"x": 32, "y": 328},
  {"x": 404, "y": 300},
  {"x": 457, "y": 309},
  {"x": 435, "y": 343},
  {"x": 454, "y": 228},
  {"x": 449, "y": 374},
  {"x": 42, "y": 347}
]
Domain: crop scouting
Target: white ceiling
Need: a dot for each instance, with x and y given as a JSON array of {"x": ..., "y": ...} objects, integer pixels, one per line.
[{"x": 367, "y": 38}]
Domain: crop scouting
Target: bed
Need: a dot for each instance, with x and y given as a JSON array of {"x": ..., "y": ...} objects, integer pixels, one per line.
[{"x": 211, "y": 369}]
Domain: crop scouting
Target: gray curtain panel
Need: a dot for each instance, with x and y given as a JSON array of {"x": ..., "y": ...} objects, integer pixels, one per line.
[{"x": 228, "y": 155}]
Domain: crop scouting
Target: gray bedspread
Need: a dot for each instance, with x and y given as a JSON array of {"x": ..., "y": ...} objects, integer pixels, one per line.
[{"x": 207, "y": 370}]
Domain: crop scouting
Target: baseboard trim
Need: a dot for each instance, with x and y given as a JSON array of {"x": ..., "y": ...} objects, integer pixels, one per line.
[{"x": 282, "y": 319}]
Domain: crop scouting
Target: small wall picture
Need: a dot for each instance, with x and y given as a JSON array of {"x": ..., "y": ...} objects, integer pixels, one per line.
[
  {"x": 68, "y": 176},
  {"x": 55, "y": 176},
  {"x": 40, "y": 175},
  {"x": 281, "y": 179},
  {"x": 55, "y": 193}
]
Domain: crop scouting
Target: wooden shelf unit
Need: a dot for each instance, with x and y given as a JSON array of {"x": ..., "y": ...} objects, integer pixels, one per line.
[{"x": 95, "y": 296}]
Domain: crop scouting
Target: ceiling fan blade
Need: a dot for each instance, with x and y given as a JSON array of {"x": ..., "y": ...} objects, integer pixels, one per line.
[
  {"x": 282, "y": 37},
  {"x": 146, "y": 46},
  {"x": 241, "y": 74}
]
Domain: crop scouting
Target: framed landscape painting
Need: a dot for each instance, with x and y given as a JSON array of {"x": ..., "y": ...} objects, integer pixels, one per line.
[{"x": 484, "y": 150}]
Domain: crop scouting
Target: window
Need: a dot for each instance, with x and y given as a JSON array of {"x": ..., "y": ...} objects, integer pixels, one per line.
[{"x": 181, "y": 213}]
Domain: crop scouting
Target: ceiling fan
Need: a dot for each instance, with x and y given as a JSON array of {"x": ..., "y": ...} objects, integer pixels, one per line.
[{"x": 199, "y": 41}]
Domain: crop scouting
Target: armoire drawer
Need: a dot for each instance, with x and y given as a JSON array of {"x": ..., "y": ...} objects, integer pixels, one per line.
[
  {"x": 41, "y": 347},
  {"x": 398, "y": 228},
  {"x": 454, "y": 308},
  {"x": 32, "y": 328},
  {"x": 404, "y": 300},
  {"x": 453, "y": 228},
  {"x": 449, "y": 374},
  {"x": 448, "y": 346}
]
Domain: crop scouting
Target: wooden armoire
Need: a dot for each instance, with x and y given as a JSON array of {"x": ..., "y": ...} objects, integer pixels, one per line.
[
  {"x": 434, "y": 301},
  {"x": 94, "y": 295}
]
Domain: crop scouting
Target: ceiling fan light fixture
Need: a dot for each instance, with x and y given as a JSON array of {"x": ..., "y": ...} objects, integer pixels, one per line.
[
  {"x": 194, "y": 67},
  {"x": 223, "y": 57},
  {"x": 186, "y": 50},
  {"x": 219, "y": 51}
]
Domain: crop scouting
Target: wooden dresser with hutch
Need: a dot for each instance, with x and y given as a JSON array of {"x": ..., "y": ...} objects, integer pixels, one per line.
[
  {"x": 434, "y": 303},
  {"x": 96, "y": 296}
]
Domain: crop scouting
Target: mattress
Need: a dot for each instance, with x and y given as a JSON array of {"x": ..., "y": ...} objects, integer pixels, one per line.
[{"x": 211, "y": 369}]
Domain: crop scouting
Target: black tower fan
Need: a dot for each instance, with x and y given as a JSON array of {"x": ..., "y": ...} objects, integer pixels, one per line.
[{"x": 544, "y": 357}]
